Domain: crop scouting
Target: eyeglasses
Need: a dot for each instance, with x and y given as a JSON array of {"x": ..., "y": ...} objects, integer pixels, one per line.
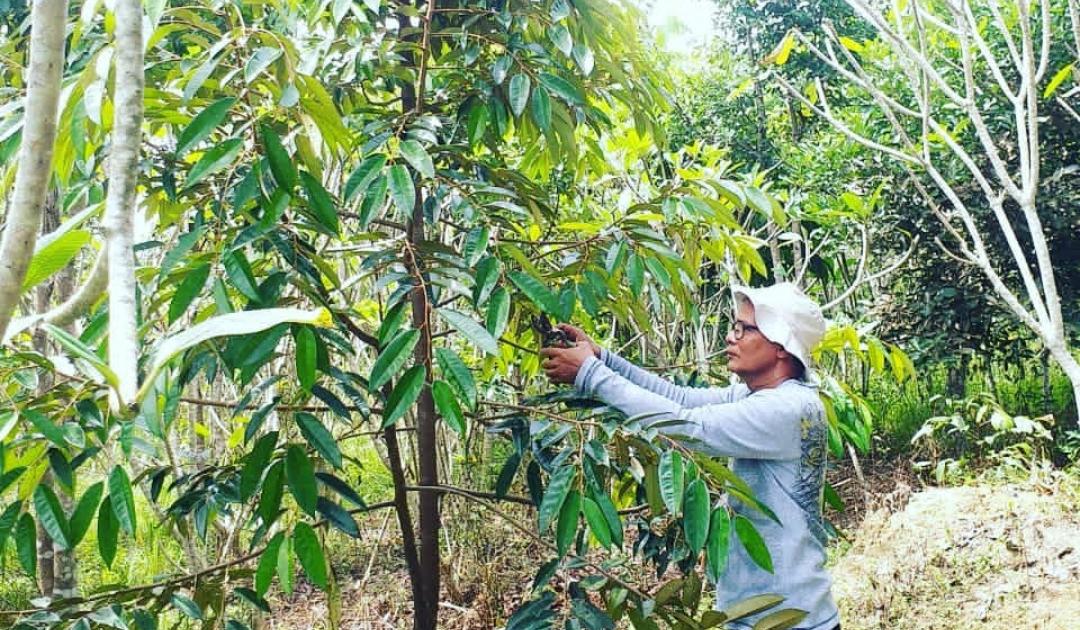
[{"x": 740, "y": 328}]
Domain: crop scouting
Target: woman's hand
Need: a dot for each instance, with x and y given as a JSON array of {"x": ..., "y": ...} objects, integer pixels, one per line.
[{"x": 562, "y": 364}]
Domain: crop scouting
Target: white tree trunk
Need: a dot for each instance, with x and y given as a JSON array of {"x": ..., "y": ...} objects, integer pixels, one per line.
[
  {"x": 43, "y": 74},
  {"x": 120, "y": 203},
  {"x": 1070, "y": 366}
]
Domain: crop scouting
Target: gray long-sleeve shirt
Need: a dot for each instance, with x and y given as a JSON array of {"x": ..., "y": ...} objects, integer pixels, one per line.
[{"x": 777, "y": 437}]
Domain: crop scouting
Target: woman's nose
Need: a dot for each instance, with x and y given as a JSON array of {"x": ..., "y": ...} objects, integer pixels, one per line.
[{"x": 730, "y": 338}]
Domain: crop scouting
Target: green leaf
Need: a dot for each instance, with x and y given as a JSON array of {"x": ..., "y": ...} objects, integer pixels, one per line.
[
  {"x": 752, "y": 606},
  {"x": 45, "y": 426},
  {"x": 392, "y": 358},
  {"x": 562, "y": 88},
  {"x": 187, "y": 606},
  {"x": 26, "y": 544},
  {"x": 477, "y": 123},
  {"x": 518, "y": 93},
  {"x": 536, "y": 291},
  {"x": 241, "y": 323},
  {"x": 374, "y": 200},
  {"x": 471, "y": 329},
  {"x": 310, "y": 553},
  {"x": 671, "y": 480},
  {"x": 255, "y": 464},
  {"x": 188, "y": 290},
  {"x": 781, "y": 619},
  {"x": 285, "y": 569},
  {"x": 597, "y": 523},
  {"x": 458, "y": 375},
  {"x": 696, "y": 515},
  {"x": 583, "y": 57},
  {"x": 319, "y": 437},
  {"x": 447, "y": 403},
  {"x": 51, "y": 517},
  {"x": 506, "y": 474},
  {"x": 122, "y": 499},
  {"x": 272, "y": 491},
  {"x": 218, "y": 157},
  {"x": 369, "y": 168},
  {"x": 487, "y": 276},
  {"x": 252, "y": 598},
  {"x": 7, "y": 523},
  {"x": 611, "y": 515},
  {"x": 61, "y": 467},
  {"x": 391, "y": 323},
  {"x": 264, "y": 573},
  {"x": 402, "y": 189},
  {"x": 716, "y": 551},
  {"x": 500, "y": 68},
  {"x": 338, "y": 517},
  {"x": 108, "y": 530},
  {"x": 498, "y": 312},
  {"x": 753, "y": 543},
  {"x": 259, "y": 61},
  {"x": 301, "y": 476},
  {"x": 476, "y": 243},
  {"x": 239, "y": 271},
  {"x": 306, "y": 356},
  {"x": 202, "y": 125},
  {"x": 54, "y": 256},
  {"x": 322, "y": 206},
  {"x": 10, "y": 476},
  {"x": 281, "y": 164},
  {"x": 541, "y": 108},
  {"x": 560, "y": 36},
  {"x": 1058, "y": 78},
  {"x": 340, "y": 487},
  {"x": 567, "y": 524},
  {"x": 418, "y": 157},
  {"x": 76, "y": 347},
  {"x": 405, "y": 393},
  {"x": 554, "y": 496}
]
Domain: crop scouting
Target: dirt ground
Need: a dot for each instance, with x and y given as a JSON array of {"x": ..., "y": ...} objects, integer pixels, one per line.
[{"x": 989, "y": 555}]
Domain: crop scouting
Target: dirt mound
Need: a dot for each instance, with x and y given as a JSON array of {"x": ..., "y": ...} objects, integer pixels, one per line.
[{"x": 988, "y": 556}]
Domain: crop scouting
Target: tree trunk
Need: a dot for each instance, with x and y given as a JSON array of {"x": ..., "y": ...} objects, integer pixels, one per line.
[
  {"x": 1048, "y": 398},
  {"x": 120, "y": 203},
  {"x": 23, "y": 221},
  {"x": 427, "y": 613},
  {"x": 1071, "y": 367}
]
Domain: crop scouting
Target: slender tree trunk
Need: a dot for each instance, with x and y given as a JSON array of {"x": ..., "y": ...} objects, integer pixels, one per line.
[
  {"x": 1048, "y": 399},
  {"x": 427, "y": 615},
  {"x": 120, "y": 204},
  {"x": 23, "y": 221},
  {"x": 1071, "y": 367}
]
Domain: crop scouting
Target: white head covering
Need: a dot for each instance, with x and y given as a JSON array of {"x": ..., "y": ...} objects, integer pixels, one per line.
[{"x": 785, "y": 315}]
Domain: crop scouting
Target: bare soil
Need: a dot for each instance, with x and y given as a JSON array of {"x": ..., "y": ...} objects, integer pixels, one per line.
[{"x": 989, "y": 556}]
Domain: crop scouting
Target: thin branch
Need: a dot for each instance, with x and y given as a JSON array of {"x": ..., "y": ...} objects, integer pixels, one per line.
[{"x": 884, "y": 272}]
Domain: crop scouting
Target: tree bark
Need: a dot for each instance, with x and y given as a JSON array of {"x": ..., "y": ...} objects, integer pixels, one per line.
[
  {"x": 120, "y": 202},
  {"x": 47, "y": 34},
  {"x": 426, "y": 615}
]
